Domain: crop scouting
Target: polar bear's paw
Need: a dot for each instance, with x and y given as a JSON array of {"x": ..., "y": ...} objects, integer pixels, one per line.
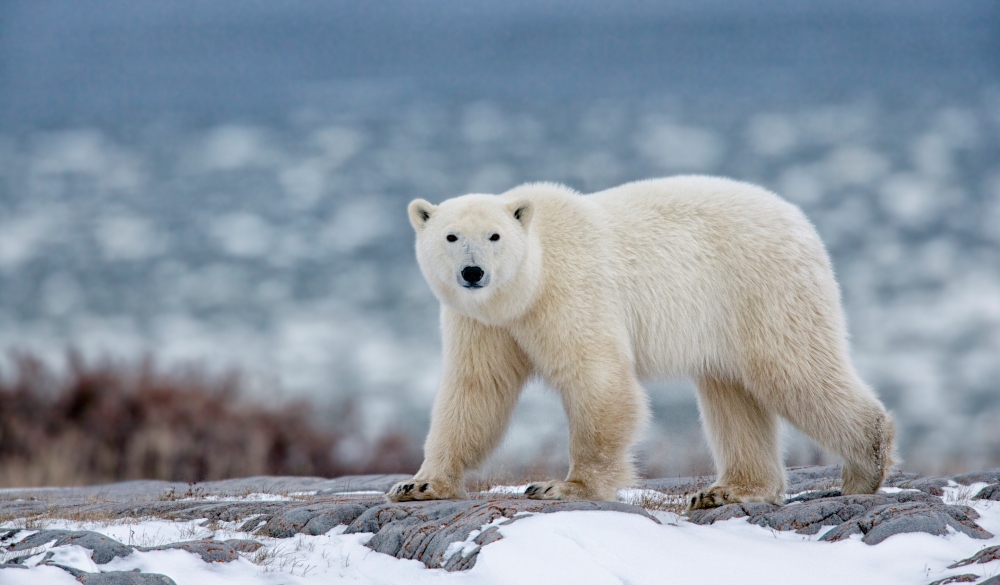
[
  {"x": 558, "y": 490},
  {"x": 422, "y": 489},
  {"x": 720, "y": 495},
  {"x": 712, "y": 498}
]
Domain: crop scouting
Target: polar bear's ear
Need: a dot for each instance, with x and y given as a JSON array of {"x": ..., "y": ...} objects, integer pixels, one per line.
[
  {"x": 420, "y": 211},
  {"x": 521, "y": 210}
]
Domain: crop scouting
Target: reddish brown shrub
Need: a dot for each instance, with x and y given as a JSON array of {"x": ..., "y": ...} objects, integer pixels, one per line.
[{"x": 108, "y": 421}]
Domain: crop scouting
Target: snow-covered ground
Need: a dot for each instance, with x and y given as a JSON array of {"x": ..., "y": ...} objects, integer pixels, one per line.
[{"x": 562, "y": 547}]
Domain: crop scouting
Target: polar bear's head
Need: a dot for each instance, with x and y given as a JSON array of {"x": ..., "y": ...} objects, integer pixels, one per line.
[{"x": 471, "y": 248}]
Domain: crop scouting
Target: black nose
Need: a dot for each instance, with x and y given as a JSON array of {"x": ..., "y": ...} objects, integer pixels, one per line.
[{"x": 472, "y": 274}]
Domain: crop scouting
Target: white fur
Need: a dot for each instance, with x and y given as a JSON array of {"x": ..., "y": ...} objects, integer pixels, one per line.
[{"x": 700, "y": 277}]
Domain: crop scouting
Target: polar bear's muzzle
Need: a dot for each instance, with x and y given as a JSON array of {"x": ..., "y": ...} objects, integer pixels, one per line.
[{"x": 473, "y": 277}]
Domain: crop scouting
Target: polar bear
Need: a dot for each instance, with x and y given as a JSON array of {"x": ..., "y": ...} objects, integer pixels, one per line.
[{"x": 702, "y": 277}]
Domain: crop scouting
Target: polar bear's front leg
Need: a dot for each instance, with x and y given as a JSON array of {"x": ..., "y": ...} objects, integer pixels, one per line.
[
  {"x": 745, "y": 443},
  {"x": 415, "y": 489},
  {"x": 560, "y": 490},
  {"x": 484, "y": 371},
  {"x": 605, "y": 406}
]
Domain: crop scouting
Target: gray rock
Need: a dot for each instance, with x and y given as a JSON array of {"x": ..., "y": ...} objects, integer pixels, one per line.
[
  {"x": 992, "y": 581},
  {"x": 987, "y": 476},
  {"x": 884, "y": 521},
  {"x": 211, "y": 551},
  {"x": 126, "y": 508},
  {"x": 934, "y": 485},
  {"x": 105, "y": 548},
  {"x": 990, "y": 553},
  {"x": 123, "y": 578},
  {"x": 929, "y": 485},
  {"x": 165, "y": 490},
  {"x": 150, "y": 489},
  {"x": 192, "y": 510},
  {"x": 315, "y": 519},
  {"x": 875, "y": 516},
  {"x": 800, "y": 479},
  {"x": 8, "y": 535},
  {"x": 133, "y": 577},
  {"x": 990, "y": 492},
  {"x": 424, "y": 530},
  {"x": 897, "y": 478},
  {"x": 966, "y": 578},
  {"x": 712, "y": 515}
]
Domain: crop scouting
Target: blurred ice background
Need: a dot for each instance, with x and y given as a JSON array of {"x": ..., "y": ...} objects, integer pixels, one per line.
[{"x": 226, "y": 181}]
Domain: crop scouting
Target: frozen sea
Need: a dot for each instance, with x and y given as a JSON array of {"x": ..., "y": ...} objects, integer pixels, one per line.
[{"x": 226, "y": 182}]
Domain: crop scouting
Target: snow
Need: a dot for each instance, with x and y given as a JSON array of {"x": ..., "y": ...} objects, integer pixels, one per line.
[
  {"x": 37, "y": 576},
  {"x": 75, "y": 557},
  {"x": 254, "y": 497},
  {"x": 508, "y": 490},
  {"x": 593, "y": 547},
  {"x": 354, "y": 493},
  {"x": 148, "y": 532}
]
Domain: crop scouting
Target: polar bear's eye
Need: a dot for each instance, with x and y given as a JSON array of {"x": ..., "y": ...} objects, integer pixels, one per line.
[
  {"x": 494, "y": 237},
  {"x": 452, "y": 238}
]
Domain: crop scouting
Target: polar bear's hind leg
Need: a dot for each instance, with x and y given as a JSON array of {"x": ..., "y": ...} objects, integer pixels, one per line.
[{"x": 840, "y": 412}]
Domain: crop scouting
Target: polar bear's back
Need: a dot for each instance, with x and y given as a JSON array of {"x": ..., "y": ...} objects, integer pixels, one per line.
[
  {"x": 695, "y": 203},
  {"x": 702, "y": 264}
]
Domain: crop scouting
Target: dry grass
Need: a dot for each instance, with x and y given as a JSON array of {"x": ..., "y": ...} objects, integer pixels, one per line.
[
  {"x": 285, "y": 557},
  {"x": 192, "y": 492},
  {"x": 960, "y": 495},
  {"x": 109, "y": 421}
]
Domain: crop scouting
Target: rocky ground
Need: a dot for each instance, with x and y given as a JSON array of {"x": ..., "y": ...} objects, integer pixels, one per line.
[{"x": 280, "y": 508}]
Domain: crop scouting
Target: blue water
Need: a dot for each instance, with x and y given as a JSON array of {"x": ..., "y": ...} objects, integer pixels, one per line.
[{"x": 226, "y": 181}]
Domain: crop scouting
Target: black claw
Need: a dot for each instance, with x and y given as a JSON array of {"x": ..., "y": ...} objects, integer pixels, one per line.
[
  {"x": 548, "y": 489},
  {"x": 408, "y": 488},
  {"x": 423, "y": 488}
]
